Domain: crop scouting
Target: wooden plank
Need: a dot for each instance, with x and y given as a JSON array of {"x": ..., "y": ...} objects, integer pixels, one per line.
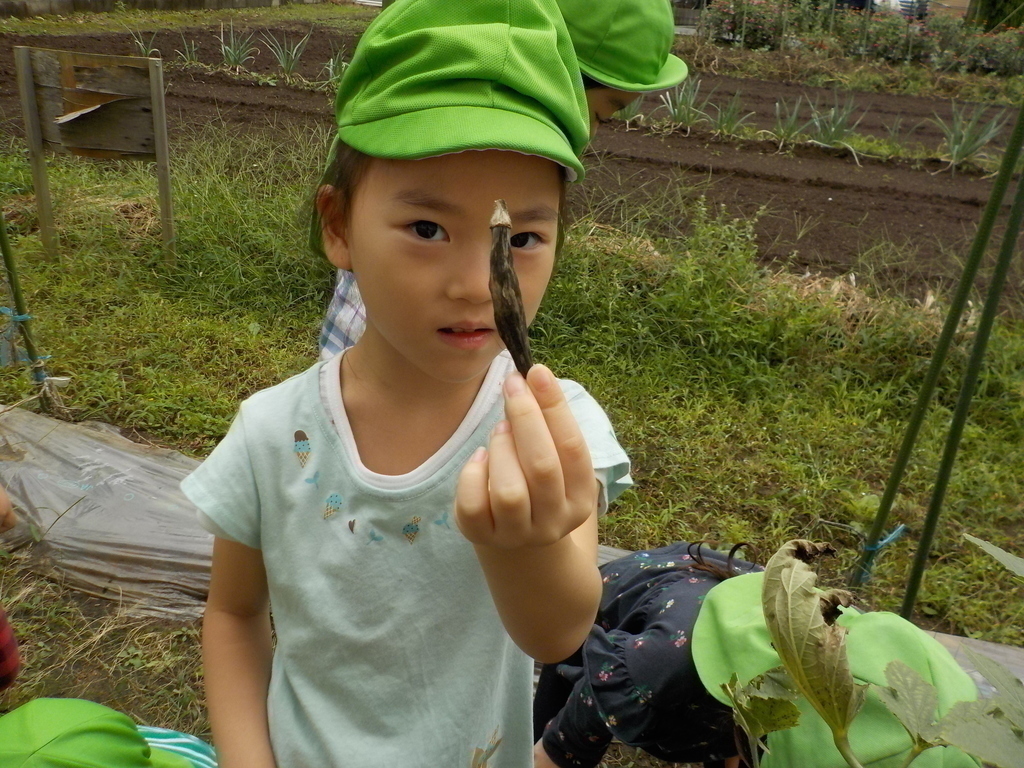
[
  {"x": 50, "y": 105},
  {"x": 40, "y": 184},
  {"x": 163, "y": 161},
  {"x": 125, "y": 81},
  {"x": 122, "y": 126},
  {"x": 45, "y": 67}
]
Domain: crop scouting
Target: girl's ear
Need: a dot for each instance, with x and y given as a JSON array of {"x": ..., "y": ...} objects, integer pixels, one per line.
[{"x": 332, "y": 226}]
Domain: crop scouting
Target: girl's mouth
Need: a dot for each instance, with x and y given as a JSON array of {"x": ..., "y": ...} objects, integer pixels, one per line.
[{"x": 466, "y": 338}]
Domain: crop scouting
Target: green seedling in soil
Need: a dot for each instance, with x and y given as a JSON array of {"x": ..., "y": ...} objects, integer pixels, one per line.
[
  {"x": 334, "y": 69},
  {"x": 631, "y": 112},
  {"x": 727, "y": 120},
  {"x": 965, "y": 135},
  {"x": 789, "y": 126},
  {"x": 287, "y": 55},
  {"x": 683, "y": 104},
  {"x": 801, "y": 621},
  {"x": 145, "y": 48},
  {"x": 237, "y": 51},
  {"x": 189, "y": 53},
  {"x": 834, "y": 126}
]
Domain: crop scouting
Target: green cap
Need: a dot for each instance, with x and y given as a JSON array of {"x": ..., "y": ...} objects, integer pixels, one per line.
[
  {"x": 435, "y": 77},
  {"x": 730, "y": 637},
  {"x": 73, "y": 733},
  {"x": 625, "y": 44}
]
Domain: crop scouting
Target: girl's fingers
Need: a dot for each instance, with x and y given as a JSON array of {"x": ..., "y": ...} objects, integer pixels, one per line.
[
  {"x": 472, "y": 503},
  {"x": 574, "y": 456},
  {"x": 538, "y": 456},
  {"x": 509, "y": 494}
]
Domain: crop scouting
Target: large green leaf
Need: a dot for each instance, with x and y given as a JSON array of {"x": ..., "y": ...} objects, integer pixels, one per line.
[
  {"x": 979, "y": 728},
  {"x": 1011, "y": 691},
  {"x": 1014, "y": 563},
  {"x": 801, "y": 622},
  {"x": 912, "y": 700},
  {"x": 763, "y": 706}
]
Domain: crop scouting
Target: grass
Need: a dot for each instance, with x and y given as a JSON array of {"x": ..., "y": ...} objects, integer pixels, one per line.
[
  {"x": 338, "y": 15},
  {"x": 820, "y": 69},
  {"x": 755, "y": 405}
]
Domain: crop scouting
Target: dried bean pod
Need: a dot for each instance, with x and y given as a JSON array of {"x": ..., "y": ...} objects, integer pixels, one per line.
[{"x": 509, "y": 316}]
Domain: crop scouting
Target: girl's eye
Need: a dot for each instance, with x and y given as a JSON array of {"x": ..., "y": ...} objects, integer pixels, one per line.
[
  {"x": 429, "y": 230},
  {"x": 524, "y": 239}
]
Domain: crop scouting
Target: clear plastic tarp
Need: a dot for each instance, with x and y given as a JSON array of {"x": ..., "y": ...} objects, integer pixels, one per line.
[{"x": 104, "y": 514}]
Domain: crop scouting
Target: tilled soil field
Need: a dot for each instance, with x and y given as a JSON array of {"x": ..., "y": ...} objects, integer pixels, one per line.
[{"x": 897, "y": 225}]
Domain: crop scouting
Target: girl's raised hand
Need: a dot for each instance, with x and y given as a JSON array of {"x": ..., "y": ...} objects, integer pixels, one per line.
[{"x": 535, "y": 483}]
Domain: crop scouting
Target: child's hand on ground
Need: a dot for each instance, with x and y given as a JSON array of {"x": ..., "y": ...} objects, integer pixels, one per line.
[
  {"x": 540, "y": 757},
  {"x": 7, "y": 517},
  {"x": 535, "y": 484}
]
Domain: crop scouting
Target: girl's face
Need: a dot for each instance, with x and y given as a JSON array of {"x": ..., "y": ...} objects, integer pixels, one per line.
[
  {"x": 418, "y": 239},
  {"x": 605, "y": 102}
]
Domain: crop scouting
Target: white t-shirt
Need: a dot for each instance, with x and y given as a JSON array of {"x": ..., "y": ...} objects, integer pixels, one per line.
[{"x": 389, "y": 650}]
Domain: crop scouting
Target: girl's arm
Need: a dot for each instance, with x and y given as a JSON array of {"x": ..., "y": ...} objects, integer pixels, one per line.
[
  {"x": 237, "y": 655},
  {"x": 529, "y": 505}
]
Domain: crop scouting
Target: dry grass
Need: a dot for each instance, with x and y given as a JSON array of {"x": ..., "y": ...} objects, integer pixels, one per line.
[{"x": 80, "y": 647}]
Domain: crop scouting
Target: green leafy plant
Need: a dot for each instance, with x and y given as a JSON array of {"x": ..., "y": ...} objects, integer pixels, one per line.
[
  {"x": 189, "y": 53},
  {"x": 965, "y": 135},
  {"x": 801, "y": 621},
  {"x": 287, "y": 54},
  {"x": 143, "y": 46},
  {"x": 631, "y": 112},
  {"x": 237, "y": 51},
  {"x": 834, "y": 126},
  {"x": 763, "y": 706},
  {"x": 684, "y": 105},
  {"x": 1012, "y": 562},
  {"x": 728, "y": 120},
  {"x": 334, "y": 70},
  {"x": 789, "y": 126}
]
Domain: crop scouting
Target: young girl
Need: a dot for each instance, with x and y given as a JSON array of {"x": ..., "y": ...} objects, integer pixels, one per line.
[
  {"x": 416, "y": 515},
  {"x": 678, "y": 622},
  {"x": 623, "y": 49}
]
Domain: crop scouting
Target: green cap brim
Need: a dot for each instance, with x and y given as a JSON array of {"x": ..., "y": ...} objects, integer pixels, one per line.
[
  {"x": 672, "y": 74},
  {"x": 448, "y": 130}
]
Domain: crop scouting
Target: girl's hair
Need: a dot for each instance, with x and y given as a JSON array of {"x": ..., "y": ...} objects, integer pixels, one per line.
[
  {"x": 590, "y": 84},
  {"x": 715, "y": 569},
  {"x": 346, "y": 169}
]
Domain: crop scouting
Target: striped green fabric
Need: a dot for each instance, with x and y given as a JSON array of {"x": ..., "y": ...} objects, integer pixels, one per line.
[{"x": 196, "y": 751}]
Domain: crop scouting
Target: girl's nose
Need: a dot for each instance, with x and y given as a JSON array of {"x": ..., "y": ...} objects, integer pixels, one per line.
[{"x": 470, "y": 278}]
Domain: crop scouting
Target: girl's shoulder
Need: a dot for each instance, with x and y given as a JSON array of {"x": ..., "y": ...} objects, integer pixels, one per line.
[{"x": 296, "y": 394}]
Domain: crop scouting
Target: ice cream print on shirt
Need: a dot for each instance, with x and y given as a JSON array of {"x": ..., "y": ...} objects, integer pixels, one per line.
[
  {"x": 332, "y": 505},
  {"x": 301, "y": 447},
  {"x": 481, "y": 757}
]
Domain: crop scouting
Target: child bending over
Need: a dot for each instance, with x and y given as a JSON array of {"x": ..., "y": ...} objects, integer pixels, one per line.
[
  {"x": 417, "y": 517},
  {"x": 678, "y": 622}
]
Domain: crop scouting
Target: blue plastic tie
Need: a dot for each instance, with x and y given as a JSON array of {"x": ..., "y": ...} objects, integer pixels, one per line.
[
  {"x": 14, "y": 318},
  {"x": 894, "y": 534}
]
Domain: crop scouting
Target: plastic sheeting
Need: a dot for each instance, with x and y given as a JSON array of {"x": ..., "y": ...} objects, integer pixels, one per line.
[{"x": 104, "y": 514}]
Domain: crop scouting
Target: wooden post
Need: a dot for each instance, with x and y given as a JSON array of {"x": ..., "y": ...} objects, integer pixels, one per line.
[
  {"x": 40, "y": 185},
  {"x": 163, "y": 166}
]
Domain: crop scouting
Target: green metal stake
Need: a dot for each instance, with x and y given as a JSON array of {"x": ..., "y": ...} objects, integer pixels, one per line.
[
  {"x": 38, "y": 372},
  {"x": 963, "y": 404},
  {"x": 956, "y": 308}
]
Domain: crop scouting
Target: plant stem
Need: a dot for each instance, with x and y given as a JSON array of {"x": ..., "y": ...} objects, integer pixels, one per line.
[
  {"x": 916, "y": 750},
  {"x": 843, "y": 745}
]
